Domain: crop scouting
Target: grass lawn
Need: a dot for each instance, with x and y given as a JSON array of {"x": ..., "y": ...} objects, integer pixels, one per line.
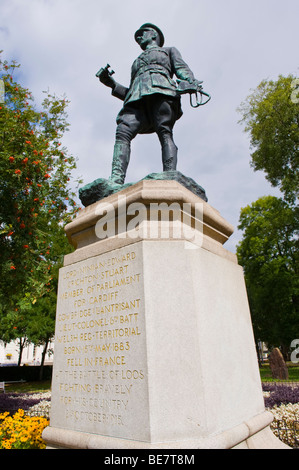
[
  {"x": 29, "y": 387},
  {"x": 266, "y": 375}
]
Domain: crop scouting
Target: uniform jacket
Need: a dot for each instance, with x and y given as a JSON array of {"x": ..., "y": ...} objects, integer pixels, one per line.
[{"x": 152, "y": 72}]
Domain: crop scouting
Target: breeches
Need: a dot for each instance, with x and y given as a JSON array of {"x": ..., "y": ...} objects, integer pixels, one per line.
[{"x": 154, "y": 113}]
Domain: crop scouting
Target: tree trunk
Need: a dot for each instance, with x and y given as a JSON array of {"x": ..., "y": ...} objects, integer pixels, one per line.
[
  {"x": 22, "y": 342},
  {"x": 43, "y": 360},
  {"x": 285, "y": 349},
  {"x": 258, "y": 353}
]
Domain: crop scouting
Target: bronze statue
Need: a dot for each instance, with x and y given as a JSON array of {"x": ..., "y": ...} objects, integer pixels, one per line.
[{"x": 152, "y": 102}]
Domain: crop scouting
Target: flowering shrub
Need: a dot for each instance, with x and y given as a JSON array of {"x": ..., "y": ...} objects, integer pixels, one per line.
[
  {"x": 21, "y": 432},
  {"x": 36, "y": 203}
]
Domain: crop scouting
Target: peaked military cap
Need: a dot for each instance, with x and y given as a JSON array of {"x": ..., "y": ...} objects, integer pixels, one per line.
[{"x": 151, "y": 26}]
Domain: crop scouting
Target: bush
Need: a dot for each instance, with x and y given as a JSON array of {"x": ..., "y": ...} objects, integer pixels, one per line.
[
  {"x": 27, "y": 373},
  {"x": 21, "y": 432}
]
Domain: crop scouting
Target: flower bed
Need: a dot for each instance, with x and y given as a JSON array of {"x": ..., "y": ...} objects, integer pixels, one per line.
[
  {"x": 32, "y": 417},
  {"x": 24, "y": 418},
  {"x": 12, "y": 402},
  {"x": 286, "y": 423},
  {"x": 42, "y": 408},
  {"x": 282, "y": 400},
  {"x": 21, "y": 432},
  {"x": 280, "y": 393}
]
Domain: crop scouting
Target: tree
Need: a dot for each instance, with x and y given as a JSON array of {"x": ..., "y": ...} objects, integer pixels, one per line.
[
  {"x": 271, "y": 117},
  {"x": 35, "y": 204},
  {"x": 268, "y": 253}
]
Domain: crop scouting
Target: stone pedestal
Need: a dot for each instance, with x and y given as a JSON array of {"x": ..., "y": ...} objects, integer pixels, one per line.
[{"x": 153, "y": 345}]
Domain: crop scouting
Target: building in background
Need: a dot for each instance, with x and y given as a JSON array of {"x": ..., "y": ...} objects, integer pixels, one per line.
[{"x": 32, "y": 355}]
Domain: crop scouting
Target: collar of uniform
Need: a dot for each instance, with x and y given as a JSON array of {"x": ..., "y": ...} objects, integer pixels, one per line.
[
  {"x": 151, "y": 49},
  {"x": 155, "y": 48}
]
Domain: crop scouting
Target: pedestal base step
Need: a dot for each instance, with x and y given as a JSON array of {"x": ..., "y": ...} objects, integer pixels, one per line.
[{"x": 252, "y": 434}]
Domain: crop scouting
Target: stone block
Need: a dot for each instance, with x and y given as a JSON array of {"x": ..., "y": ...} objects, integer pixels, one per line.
[{"x": 154, "y": 345}]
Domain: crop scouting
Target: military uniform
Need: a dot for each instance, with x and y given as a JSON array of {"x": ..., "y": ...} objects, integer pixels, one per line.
[
  {"x": 151, "y": 104},
  {"x": 152, "y": 73}
]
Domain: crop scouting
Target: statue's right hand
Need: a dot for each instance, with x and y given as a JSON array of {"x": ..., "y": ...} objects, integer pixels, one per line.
[{"x": 106, "y": 79}]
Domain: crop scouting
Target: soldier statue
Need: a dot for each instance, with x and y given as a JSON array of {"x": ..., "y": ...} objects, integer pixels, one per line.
[{"x": 152, "y": 102}]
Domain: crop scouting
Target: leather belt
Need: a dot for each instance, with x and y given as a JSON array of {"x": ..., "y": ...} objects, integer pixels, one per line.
[{"x": 152, "y": 68}]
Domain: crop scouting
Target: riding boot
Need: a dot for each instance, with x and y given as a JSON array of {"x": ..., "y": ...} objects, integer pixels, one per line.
[
  {"x": 169, "y": 155},
  {"x": 120, "y": 162}
]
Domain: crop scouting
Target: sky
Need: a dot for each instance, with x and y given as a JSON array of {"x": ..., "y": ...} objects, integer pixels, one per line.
[{"x": 231, "y": 45}]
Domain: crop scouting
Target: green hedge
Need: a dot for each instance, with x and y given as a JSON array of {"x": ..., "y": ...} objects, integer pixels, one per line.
[{"x": 27, "y": 373}]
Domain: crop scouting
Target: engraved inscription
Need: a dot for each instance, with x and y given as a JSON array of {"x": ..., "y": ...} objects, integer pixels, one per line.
[{"x": 99, "y": 370}]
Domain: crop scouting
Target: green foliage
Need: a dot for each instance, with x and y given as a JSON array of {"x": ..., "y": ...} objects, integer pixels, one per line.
[
  {"x": 35, "y": 205},
  {"x": 271, "y": 118},
  {"x": 268, "y": 253}
]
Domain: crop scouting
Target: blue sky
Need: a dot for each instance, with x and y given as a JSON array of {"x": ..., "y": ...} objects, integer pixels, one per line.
[{"x": 231, "y": 45}]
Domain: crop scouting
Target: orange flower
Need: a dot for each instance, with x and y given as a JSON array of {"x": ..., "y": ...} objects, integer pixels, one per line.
[
  {"x": 25, "y": 246},
  {"x": 47, "y": 175},
  {"x": 28, "y": 142},
  {"x": 22, "y": 225},
  {"x": 17, "y": 172},
  {"x": 25, "y": 160},
  {"x": 11, "y": 159},
  {"x": 12, "y": 267}
]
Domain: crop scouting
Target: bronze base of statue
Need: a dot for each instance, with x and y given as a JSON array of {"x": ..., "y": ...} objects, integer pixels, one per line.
[{"x": 101, "y": 187}]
